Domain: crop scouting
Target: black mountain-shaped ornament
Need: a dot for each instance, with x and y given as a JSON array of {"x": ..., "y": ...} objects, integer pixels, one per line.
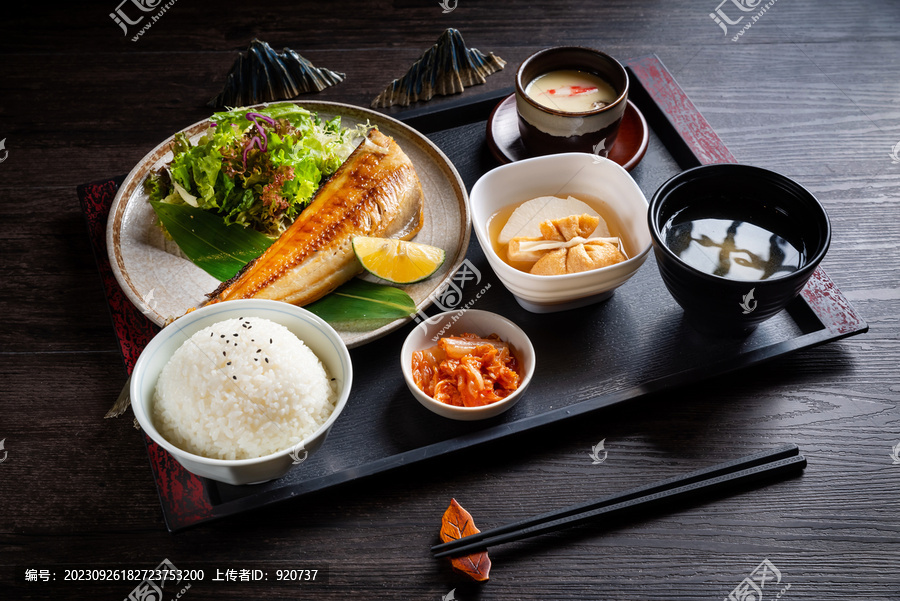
[
  {"x": 446, "y": 68},
  {"x": 263, "y": 75}
]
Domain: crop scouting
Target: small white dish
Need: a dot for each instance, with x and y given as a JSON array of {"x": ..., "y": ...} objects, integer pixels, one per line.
[
  {"x": 581, "y": 175},
  {"x": 484, "y": 323},
  {"x": 320, "y": 337}
]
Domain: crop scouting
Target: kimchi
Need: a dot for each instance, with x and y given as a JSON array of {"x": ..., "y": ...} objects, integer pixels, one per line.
[{"x": 466, "y": 370}]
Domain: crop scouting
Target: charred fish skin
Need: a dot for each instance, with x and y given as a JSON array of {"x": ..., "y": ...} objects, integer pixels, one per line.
[{"x": 376, "y": 192}]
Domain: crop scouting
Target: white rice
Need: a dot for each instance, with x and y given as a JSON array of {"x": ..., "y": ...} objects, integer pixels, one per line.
[{"x": 242, "y": 388}]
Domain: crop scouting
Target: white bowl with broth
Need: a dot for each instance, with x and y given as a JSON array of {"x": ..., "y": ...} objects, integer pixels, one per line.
[{"x": 598, "y": 182}]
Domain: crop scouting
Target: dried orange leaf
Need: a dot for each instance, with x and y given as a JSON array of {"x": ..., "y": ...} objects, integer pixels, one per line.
[{"x": 457, "y": 523}]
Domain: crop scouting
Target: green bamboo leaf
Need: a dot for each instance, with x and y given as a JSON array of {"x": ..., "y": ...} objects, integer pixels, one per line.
[
  {"x": 361, "y": 306},
  {"x": 220, "y": 250}
]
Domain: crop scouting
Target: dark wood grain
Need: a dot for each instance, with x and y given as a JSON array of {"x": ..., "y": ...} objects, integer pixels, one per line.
[{"x": 810, "y": 90}]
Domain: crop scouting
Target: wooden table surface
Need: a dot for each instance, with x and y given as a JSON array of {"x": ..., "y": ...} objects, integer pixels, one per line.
[{"x": 810, "y": 90}]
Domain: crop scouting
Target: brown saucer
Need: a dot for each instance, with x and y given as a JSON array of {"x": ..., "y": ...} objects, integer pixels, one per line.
[{"x": 506, "y": 145}]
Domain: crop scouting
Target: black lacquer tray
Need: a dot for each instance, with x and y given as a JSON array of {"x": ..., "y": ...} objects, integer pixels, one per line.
[{"x": 383, "y": 428}]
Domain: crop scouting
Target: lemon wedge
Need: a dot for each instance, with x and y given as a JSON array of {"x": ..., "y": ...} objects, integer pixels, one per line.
[{"x": 397, "y": 261}]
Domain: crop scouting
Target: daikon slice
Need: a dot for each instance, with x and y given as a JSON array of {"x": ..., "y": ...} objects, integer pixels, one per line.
[{"x": 526, "y": 220}]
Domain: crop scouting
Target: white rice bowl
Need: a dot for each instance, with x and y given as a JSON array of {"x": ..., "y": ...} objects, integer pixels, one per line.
[{"x": 241, "y": 389}]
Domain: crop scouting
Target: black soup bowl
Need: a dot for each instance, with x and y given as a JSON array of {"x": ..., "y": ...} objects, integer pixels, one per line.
[{"x": 735, "y": 244}]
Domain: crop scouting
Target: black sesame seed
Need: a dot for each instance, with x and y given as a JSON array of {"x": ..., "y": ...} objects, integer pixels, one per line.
[
  {"x": 267, "y": 359},
  {"x": 270, "y": 341},
  {"x": 255, "y": 359},
  {"x": 234, "y": 334},
  {"x": 259, "y": 350},
  {"x": 222, "y": 336},
  {"x": 234, "y": 377},
  {"x": 229, "y": 363},
  {"x": 223, "y": 354}
]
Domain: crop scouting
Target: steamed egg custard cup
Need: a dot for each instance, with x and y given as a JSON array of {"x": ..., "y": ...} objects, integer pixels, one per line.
[
  {"x": 474, "y": 321},
  {"x": 586, "y": 177},
  {"x": 320, "y": 337},
  {"x": 549, "y": 129}
]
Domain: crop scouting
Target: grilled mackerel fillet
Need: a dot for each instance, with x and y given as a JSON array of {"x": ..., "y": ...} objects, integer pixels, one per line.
[{"x": 376, "y": 192}]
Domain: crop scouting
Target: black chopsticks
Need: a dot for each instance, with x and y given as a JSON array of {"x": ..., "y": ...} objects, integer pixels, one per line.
[{"x": 715, "y": 479}]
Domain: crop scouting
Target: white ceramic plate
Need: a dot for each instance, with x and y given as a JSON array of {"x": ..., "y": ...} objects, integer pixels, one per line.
[{"x": 164, "y": 285}]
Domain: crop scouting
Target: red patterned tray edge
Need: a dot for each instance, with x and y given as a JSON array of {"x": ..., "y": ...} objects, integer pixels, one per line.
[{"x": 182, "y": 494}]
